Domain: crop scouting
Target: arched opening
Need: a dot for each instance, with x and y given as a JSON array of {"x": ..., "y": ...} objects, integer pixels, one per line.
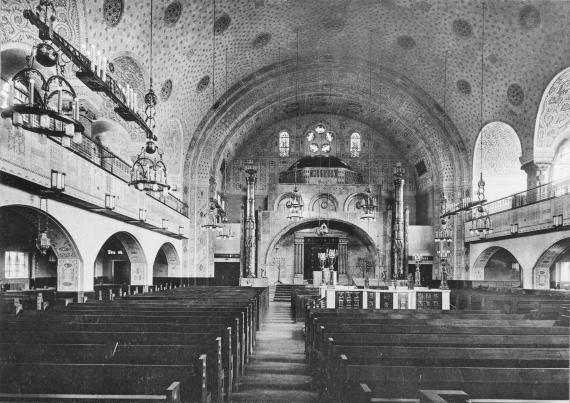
[
  {"x": 166, "y": 265},
  {"x": 552, "y": 269},
  {"x": 503, "y": 266},
  {"x": 300, "y": 241},
  {"x": 500, "y": 162},
  {"x": 499, "y": 265},
  {"x": 23, "y": 264},
  {"x": 120, "y": 262}
]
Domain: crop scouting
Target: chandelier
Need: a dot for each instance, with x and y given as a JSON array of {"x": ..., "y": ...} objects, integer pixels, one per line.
[
  {"x": 480, "y": 221},
  {"x": 368, "y": 205},
  {"x": 295, "y": 206},
  {"x": 43, "y": 243},
  {"x": 444, "y": 233},
  {"x": 148, "y": 172},
  {"x": 47, "y": 106}
]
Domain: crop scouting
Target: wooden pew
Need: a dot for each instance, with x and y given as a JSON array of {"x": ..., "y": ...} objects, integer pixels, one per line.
[
  {"x": 503, "y": 383},
  {"x": 171, "y": 395},
  {"x": 120, "y": 379}
]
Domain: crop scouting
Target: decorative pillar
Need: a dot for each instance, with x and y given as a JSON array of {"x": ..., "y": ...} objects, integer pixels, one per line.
[
  {"x": 406, "y": 241},
  {"x": 250, "y": 230},
  {"x": 398, "y": 222},
  {"x": 299, "y": 255},
  {"x": 342, "y": 255}
]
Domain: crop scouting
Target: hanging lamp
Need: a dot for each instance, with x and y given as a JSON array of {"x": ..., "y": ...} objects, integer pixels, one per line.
[
  {"x": 46, "y": 106},
  {"x": 43, "y": 243},
  {"x": 481, "y": 221},
  {"x": 148, "y": 173},
  {"x": 368, "y": 203},
  {"x": 295, "y": 203}
]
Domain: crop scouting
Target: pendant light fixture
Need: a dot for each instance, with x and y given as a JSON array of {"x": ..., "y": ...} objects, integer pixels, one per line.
[
  {"x": 368, "y": 203},
  {"x": 295, "y": 203},
  {"x": 148, "y": 172},
  {"x": 43, "y": 243},
  {"x": 481, "y": 222}
]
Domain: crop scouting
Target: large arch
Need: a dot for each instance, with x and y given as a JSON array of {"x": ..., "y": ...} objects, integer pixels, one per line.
[
  {"x": 541, "y": 270},
  {"x": 251, "y": 103},
  {"x": 68, "y": 259},
  {"x": 313, "y": 223},
  {"x": 553, "y": 118},
  {"x": 481, "y": 262},
  {"x": 501, "y": 168},
  {"x": 136, "y": 271},
  {"x": 166, "y": 263}
]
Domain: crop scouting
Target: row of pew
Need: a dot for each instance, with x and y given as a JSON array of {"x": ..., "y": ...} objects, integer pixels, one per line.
[
  {"x": 179, "y": 345},
  {"x": 389, "y": 355}
]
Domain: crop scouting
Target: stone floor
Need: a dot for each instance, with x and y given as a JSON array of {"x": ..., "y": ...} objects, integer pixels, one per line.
[{"x": 277, "y": 371}]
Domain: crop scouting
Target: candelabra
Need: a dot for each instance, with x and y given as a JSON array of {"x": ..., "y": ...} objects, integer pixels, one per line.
[
  {"x": 418, "y": 259},
  {"x": 443, "y": 255}
]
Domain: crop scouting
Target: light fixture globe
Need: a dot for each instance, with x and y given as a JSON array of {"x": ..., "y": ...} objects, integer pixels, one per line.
[
  {"x": 43, "y": 243},
  {"x": 46, "y": 55},
  {"x": 150, "y": 147}
]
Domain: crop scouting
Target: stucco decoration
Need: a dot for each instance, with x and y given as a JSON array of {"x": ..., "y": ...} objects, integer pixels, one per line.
[
  {"x": 501, "y": 164},
  {"x": 541, "y": 270},
  {"x": 553, "y": 118},
  {"x": 15, "y": 28},
  {"x": 170, "y": 138},
  {"x": 113, "y": 11}
]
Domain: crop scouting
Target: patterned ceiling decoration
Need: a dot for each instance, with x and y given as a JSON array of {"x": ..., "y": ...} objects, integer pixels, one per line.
[
  {"x": 172, "y": 13},
  {"x": 529, "y": 17},
  {"x": 222, "y": 23},
  {"x": 261, "y": 40},
  {"x": 113, "y": 11},
  {"x": 462, "y": 28},
  {"x": 406, "y": 42},
  {"x": 464, "y": 87},
  {"x": 515, "y": 94},
  {"x": 525, "y": 44},
  {"x": 203, "y": 83},
  {"x": 166, "y": 90}
]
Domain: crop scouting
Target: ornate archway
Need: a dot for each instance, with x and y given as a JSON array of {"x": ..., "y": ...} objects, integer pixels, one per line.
[
  {"x": 125, "y": 248},
  {"x": 541, "y": 270},
  {"x": 69, "y": 263},
  {"x": 166, "y": 263}
]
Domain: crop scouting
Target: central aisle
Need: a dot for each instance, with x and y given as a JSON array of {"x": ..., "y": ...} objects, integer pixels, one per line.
[{"x": 277, "y": 371}]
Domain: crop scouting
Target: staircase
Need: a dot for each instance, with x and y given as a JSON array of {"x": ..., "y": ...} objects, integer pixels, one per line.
[
  {"x": 283, "y": 292},
  {"x": 277, "y": 371}
]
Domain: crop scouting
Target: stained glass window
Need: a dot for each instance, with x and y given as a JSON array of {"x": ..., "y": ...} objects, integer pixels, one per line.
[
  {"x": 283, "y": 144},
  {"x": 355, "y": 145}
]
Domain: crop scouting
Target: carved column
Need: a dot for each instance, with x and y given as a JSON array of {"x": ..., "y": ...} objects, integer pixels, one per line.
[
  {"x": 342, "y": 256},
  {"x": 299, "y": 255},
  {"x": 405, "y": 248},
  {"x": 398, "y": 222},
  {"x": 250, "y": 230}
]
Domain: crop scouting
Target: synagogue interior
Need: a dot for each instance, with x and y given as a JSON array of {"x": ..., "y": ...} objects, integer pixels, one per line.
[{"x": 285, "y": 201}]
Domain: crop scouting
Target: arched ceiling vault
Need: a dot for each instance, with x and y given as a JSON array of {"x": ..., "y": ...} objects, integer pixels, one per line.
[{"x": 389, "y": 104}]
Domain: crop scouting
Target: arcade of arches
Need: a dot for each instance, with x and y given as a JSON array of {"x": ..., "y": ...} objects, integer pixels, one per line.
[{"x": 324, "y": 112}]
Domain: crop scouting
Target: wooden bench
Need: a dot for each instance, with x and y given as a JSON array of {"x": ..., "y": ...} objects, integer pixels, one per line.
[
  {"x": 171, "y": 395},
  {"x": 119, "y": 379}
]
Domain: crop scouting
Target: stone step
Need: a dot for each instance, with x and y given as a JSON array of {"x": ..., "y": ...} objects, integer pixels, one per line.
[
  {"x": 278, "y": 357},
  {"x": 275, "y": 381},
  {"x": 281, "y": 367},
  {"x": 274, "y": 396}
]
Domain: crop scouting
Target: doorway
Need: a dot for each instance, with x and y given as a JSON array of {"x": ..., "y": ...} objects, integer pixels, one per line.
[{"x": 313, "y": 246}]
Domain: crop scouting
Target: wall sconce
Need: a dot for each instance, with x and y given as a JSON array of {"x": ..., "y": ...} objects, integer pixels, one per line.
[
  {"x": 109, "y": 201},
  {"x": 515, "y": 228},
  {"x": 515, "y": 266},
  {"x": 57, "y": 180},
  {"x": 180, "y": 229},
  {"x": 164, "y": 223},
  {"x": 142, "y": 214},
  {"x": 557, "y": 220}
]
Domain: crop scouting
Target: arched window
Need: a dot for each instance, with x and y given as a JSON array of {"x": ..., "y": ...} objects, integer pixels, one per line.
[
  {"x": 283, "y": 144},
  {"x": 561, "y": 164},
  {"x": 355, "y": 145},
  {"x": 501, "y": 165}
]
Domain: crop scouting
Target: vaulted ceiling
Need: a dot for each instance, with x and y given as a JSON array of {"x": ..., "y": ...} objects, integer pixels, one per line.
[{"x": 378, "y": 61}]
